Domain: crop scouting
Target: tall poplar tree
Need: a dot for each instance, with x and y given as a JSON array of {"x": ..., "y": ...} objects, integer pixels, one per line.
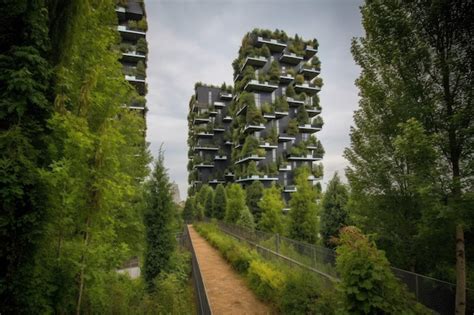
[
  {"x": 416, "y": 61},
  {"x": 220, "y": 202}
]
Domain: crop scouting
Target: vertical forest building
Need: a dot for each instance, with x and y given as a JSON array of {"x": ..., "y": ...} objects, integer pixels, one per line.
[
  {"x": 266, "y": 126},
  {"x": 132, "y": 26}
]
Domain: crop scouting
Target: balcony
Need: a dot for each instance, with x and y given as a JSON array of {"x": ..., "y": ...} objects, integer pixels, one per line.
[
  {"x": 310, "y": 128},
  {"x": 272, "y": 44},
  {"x": 269, "y": 116},
  {"x": 293, "y": 102},
  {"x": 291, "y": 58},
  {"x": 255, "y": 178},
  {"x": 218, "y": 129},
  {"x": 228, "y": 142},
  {"x": 212, "y": 112},
  {"x": 226, "y": 96},
  {"x": 285, "y": 138},
  {"x": 310, "y": 51},
  {"x": 205, "y": 134},
  {"x": 252, "y": 157},
  {"x": 139, "y": 108},
  {"x": 286, "y": 78},
  {"x": 289, "y": 189},
  {"x": 134, "y": 79},
  {"x": 313, "y": 111},
  {"x": 241, "y": 110},
  {"x": 133, "y": 56},
  {"x": 256, "y": 86},
  {"x": 227, "y": 119},
  {"x": 229, "y": 175},
  {"x": 206, "y": 148},
  {"x": 253, "y": 128},
  {"x": 268, "y": 146},
  {"x": 255, "y": 62},
  {"x": 285, "y": 168},
  {"x": 220, "y": 158},
  {"x": 280, "y": 114},
  {"x": 307, "y": 88},
  {"x": 309, "y": 72},
  {"x": 219, "y": 104},
  {"x": 201, "y": 120},
  {"x": 216, "y": 182},
  {"x": 204, "y": 165},
  {"x": 129, "y": 34},
  {"x": 307, "y": 157},
  {"x": 313, "y": 178}
]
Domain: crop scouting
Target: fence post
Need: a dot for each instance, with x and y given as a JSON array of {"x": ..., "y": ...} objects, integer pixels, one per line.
[
  {"x": 416, "y": 289},
  {"x": 277, "y": 242}
]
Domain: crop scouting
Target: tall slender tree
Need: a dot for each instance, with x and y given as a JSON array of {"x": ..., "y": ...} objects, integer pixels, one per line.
[
  {"x": 253, "y": 194},
  {"x": 220, "y": 202},
  {"x": 160, "y": 241},
  {"x": 416, "y": 63},
  {"x": 272, "y": 205}
]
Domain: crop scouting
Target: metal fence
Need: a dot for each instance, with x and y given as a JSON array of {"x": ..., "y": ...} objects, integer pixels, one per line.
[
  {"x": 437, "y": 295},
  {"x": 204, "y": 307}
]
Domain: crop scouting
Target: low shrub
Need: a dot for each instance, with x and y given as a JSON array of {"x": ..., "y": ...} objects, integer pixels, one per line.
[
  {"x": 300, "y": 294},
  {"x": 266, "y": 281}
]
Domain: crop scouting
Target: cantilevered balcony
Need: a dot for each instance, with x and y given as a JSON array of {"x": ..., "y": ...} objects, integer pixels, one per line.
[
  {"x": 285, "y": 168},
  {"x": 129, "y": 34},
  {"x": 204, "y": 165},
  {"x": 309, "y": 72},
  {"x": 290, "y": 58},
  {"x": 269, "y": 116},
  {"x": 256, "y": 86},
  {"x": 226, "y": 96},
  {"x": 133, "y": 56},
  {"x": 289, "y": 189},
  {"x": 272, "y": 44},
  {"x": 256, "y": 62},
  {"x": 252, "y": 157},
  {"x": 280, "y": 114},
  {"x": 268, "y": 146},
  {"x": 286, "y": 78},
  {"x": 309, "y": 128},
  {"x": 218, "y": 104},
  {"x": 253, "y": 128},
  {"x": 218, "y": 129},
  {"x": 285, "y": 138},
  {"x": 313, "y": 111},
  {"x": 293, "y": 102},
  {"x": 227, "y": 119},
  {"x": 307, "y": 88},
  {"x": 229, "y": 175},
  {"x": 307, "y": 157},
  {"x": 134, "y": 79},
  {"x": 310, "y": 51},
  {"x": 228, "y": 142},
  {"x": 205, "y": 134},
  {"x": 201, "y": 120},
  {"x": 216, "y": 182},
  {"x": 220, "y": 158},
  {"x": 241, "y": 110},
  {"x": 206, "y": 148},
  {"x": 264, "y": 178}
]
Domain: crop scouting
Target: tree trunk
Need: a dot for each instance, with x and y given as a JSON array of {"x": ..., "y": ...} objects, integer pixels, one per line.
[{"x": 460, "y": 271}]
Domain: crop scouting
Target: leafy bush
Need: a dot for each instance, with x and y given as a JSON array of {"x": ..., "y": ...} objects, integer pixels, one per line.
[
  {"x": 281, "y": 104},
  {"x": 299, "y": 79},
  {"x": 300, "y": 294},
  {"x": 142, "y": 46},
  {"x": 274, "y": 72},
  {"x": 318, "y": 82},
  {"x": 266, "y": 281},
  {"x": 290, "y": 91},
  {"x": 302, "y": 116},
  {"x": 142, "y": 25},
  {"x": 292, "y": 128}
]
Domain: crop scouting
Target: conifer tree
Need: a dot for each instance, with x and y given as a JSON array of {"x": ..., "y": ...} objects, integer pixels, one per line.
[
  {"x": 220, "y": 202},
  {"x": 189, "y": 211},
  {"x": 253, "y": 194},
  {"x": 272, "y": 205}
]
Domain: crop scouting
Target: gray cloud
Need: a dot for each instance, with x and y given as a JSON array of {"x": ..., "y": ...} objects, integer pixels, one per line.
[{"x": 197, "y": 40}]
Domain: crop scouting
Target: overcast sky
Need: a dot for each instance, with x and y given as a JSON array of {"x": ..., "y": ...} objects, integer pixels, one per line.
[{"x": 197, "y": 40}]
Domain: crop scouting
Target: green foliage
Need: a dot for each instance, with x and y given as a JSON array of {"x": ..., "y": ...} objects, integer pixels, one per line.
[
  {"x": 267, "y": 108},
  {"x": 189, "y": 211},
  {"x": 334, "y": 214},
  {"x": 281, "y": 104},
  {"x": 303, "y": 223},
  {"x": 254, "y": 115},
  {"x": 251, "y": 145},
  {"x": 274, "y": 72},
  {"x": 253, "y": 194},
  {"x": 209, "y": 206},
  {"x": 246, "y": 219},
  {"x": 271, "y": 205},
  {"x": 292, "y": 129},
  {"x": 368, "y": 285},
  {"x": 158, "y": 218},
  {"x": 290, "y": 91},
  {"x": 140, "y": 71},
  {"x": 302, "y": 116},
  {"x": 142, "y": 25},
  {"x": 235, "y": 203},
  {"x": 299, "y": 79},
  {"x": 142, "y": 46},
  {"x": 301, "y": 294},
  {"x": 266, "y": 281},
  {"x": 220, "y": 202}
]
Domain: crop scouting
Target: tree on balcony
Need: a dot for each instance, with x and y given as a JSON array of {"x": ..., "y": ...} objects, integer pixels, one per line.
[
  {"x": 142, "y": 46},
  {"x": 140, "y": 71},
  {"x": 281, "y": 104},
  {"x": 318, "y": 121},
  {"x": 298, "y": 149},
  {"x": 316, "y": 62},
  {"x": 318, "y": 82},
  {"x": 292, "y": 129},
  {"x": 267, "y": 108},
  {"x": 250, "y": 146},
  {"x": 272, "y": 136},
  {"x": 290, "y": 91},
  {"x": 254, "y": 115},
  {"x": 271, "y": 205},
  {"x": 299, "y": 79},
  {"x": 274, "y": 72},
  {"x": 302, "y": 116},
  {"x": 142, "y": 25},
  {"x": 252, "y": 169}
]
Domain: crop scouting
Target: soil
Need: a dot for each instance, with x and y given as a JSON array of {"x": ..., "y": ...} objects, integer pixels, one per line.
[{"x": 226, "y": 290}]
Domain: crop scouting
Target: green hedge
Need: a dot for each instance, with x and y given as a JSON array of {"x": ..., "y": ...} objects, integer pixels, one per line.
[{"x": 289, "y": 290}]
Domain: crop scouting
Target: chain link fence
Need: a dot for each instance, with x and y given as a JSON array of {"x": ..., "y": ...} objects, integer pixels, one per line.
[{"x": 436, "y": 294}]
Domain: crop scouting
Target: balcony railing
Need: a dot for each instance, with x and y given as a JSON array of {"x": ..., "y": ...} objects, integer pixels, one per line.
[
  {"x": 253, "y": 128},
  {"x": 280, "y": 114},
  {"x": 313, "y": 111},
  {"x": 134, "y": 79},
  {"x": 286, "y": 78},
  {"x": 225, "y": 96},
  {"x": 220, "y": 158},
  {"x": 255, "y": 62},
  {"x": 293, "y": 102},
  {"x": 219, "y": 104},
  {"x": 130, "y": 34},
  {"x": 291, "y": 58},
  {"x": 307, "y": 157},
  {"x": 285, "y": 168},
  {"x": 227, "y": 119},
  {"x": 309, "y": 128},
  {"x": 216, "y": 182},
  {"x": 241, "y": 110},
  {"x": 307, "y": 88},
  {"x": 205, "y": 134},
  {"x": 201, "y": 120},
  {"x": 255, "y": 85},
  {"x": 310, "y": 51},
  {"x": 252, "y": 157},
  {"x": 285, "y": 138},
  {"x": 272, "y": 44},
  {"x": 269, "y": 116},
  {"x": 268, "y": 146},
  {"x": 310, "y": 72},
  {"x": 133, "y": 56},
  {"x": 204, "y": 165},
  {"x": 206, "y": 148},
  {"x": 255, "y": 178}
]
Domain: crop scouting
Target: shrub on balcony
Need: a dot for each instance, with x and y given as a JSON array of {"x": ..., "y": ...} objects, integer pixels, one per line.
[
  {"x": 267, "y": 108},
  {"x": 298, "y": 150},
  {"x": 274, "y": 72},
  {"x": 132, "y": 24},
  {"x": 318, "y": 170},
  {"x": 281, "y": 104},
  {"x": 250, "y": 146},
  {"x": 142, "y": 46},
  {"x": 140, "y": 70},
  {"x": 318, "y": 82},
  {"x": 124, "y": 47},
  {"x": 252, "y": 169},
  {"x": 302, "y": 116},
  {"x": 297, "y": 46},
  {"x": 290, "y": 91},
  {"x": 142, "y": 25},
  {"x": 292, "y": 128},
  {"x": 313, "y": 43},
  {"x": 299, "y": 79},
  {"x": 301, "y": 97},
  {"x": 260, "y": 152},
  {"x": 318, "y": 121},
  {"x": 254, "y": 115},
  {"x": 272, "y": 136},
  {"x": 316, "y": 62},
  {"x": 262, "y": 78}
]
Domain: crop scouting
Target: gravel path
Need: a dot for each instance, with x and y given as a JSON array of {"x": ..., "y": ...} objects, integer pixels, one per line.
[{"x": 226, "y": 290}]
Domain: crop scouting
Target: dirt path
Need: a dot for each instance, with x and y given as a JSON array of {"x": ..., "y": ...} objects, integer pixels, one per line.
[{"x": 226, "y": 290}]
